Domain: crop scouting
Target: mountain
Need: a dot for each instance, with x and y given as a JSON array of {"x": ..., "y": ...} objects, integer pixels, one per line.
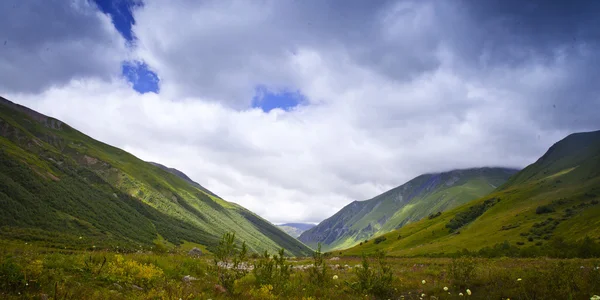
[
  {"x": 184, "y": 177},
  {"x": 61, "y": 188},
  {"x": 295, "y": 229},
  {"x": 422, "y": 196},
  {"x": 552, "y": 202}
]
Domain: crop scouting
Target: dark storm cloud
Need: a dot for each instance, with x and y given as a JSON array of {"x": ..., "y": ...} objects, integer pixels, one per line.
[
  {"x": 45, "y": 43},
  {"x": 394, "y": 89}
]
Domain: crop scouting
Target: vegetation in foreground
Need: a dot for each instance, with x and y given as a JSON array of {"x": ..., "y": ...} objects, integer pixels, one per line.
[{"x": 29, "y": 272}]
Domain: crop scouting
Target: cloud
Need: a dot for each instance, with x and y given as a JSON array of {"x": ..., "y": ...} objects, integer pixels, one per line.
[
  {"x": 50, "y": 43},
  {"x": 391, "y": 91}
]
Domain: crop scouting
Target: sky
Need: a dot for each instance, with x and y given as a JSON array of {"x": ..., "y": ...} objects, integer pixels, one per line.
[{"x": 294, "y": 109}]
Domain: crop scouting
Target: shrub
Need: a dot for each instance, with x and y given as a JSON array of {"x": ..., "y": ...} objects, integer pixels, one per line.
[
  {"x": 465, "y": 217},
  {"x": 432, "y": 216},
  {"x": 318, "y": 273},
  {"x": 274, "y": 272},
  {"x": 380, "y": 239},
  {"x": 544, "y": 209},
  {"x": 11, "y": 276},
  {"x": 229, "y": 261},
  {"x": 132, "y": 272},
  {"x": 376, "y": 282},
  {"x": 462, "y": 271}
]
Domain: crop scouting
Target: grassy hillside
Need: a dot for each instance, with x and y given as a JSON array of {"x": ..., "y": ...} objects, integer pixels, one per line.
[
  {"x": 550, "y": 204},
  {"x": 295, "y": 229},
  {"x": 425, "y": 195},
  {"x": 61, "y": 188}
]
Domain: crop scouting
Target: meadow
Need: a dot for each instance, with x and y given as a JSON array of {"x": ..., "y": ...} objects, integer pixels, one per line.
[{"x": 31, "y": 272}]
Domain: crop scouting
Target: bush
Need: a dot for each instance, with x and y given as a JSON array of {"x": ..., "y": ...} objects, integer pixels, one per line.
[
  {"x": 432, "y": 216},
  {"x": 380, "y": 239},
  {"x": 376, "y": 282},
  {"x": 229, "y": 261},
  {"x": 465, "y": 217},
  {"x": 11, "y": 277},
  {"x": 544, "y": 209},
  {"x": 318, "y": 273},
  {"x": 273, "y": 271},
  {"x": 462, "y": 271}
]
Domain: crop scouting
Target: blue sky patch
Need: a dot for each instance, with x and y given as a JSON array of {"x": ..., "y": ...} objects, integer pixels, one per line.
[
  {"x": 268, "y": 100},
  {"x": 121, "y": 14},
  {"x": 140, "y": 76}
]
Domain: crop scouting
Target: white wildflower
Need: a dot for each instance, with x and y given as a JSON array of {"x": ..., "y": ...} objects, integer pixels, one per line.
[
  {"x": 335, "y": 277},
  {"x": 595, "y": 297},
  {"x": 460, "y": 294},
  {"x": 423, "y": 282},
  {"x": 445, "y": 289},
  {"x": 469, "y": 292},
  {"x": 519, "y": 279}
]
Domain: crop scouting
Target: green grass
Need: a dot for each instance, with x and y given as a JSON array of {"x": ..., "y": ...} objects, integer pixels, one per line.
[
  {"x": 27, "y": 272},
  {"x": 59, "y": 184}
]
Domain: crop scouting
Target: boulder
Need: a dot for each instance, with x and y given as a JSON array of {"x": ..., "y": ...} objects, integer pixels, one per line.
[{"x": 195, "y": 252}]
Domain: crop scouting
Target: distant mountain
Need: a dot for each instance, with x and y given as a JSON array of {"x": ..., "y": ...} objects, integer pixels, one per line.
[
  {"x": 295, "y": 229},
  {"x": 61, "y": 188},
  {"x": 422, "y": 196},
  {"x": 557, "y": 197}
]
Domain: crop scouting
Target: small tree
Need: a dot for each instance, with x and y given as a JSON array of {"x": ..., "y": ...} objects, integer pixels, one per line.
[
  {"x": 374, "y": 281},
  {"x": 230, "y": 261},
  {"x": 317, "y": 274}
]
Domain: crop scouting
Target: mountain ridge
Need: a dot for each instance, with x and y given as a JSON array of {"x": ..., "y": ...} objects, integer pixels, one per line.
[
  {"x": 423, "y": 195},
  {"x": 295, "y": 229},
  {"x": 552, "y": 203},
  {"x": 61, "y": 188}
]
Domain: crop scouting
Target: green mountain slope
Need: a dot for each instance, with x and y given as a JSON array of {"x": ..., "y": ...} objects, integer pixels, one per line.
[
  {"x": 412, "y": 201},
  {"x": 59, "y": 187},
  {"x": 295, "y": 229},
  {"x": 552, "y": 199},
  {"x": 184, "y": 177}
]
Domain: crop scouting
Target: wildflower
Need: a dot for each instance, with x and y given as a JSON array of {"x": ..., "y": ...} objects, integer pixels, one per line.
[
  {"x": 460, "y": 294},
  {"x": 422, "y": 295},
  {"x": 595, "y": 297},
  {"x": 519, "y": 279},
  {"x": 335, "y": 277},
  {"x": 469, "y": 292},
  {"x": 423, "y": 282},
  {"x": 445, "y": 289},
  {"x": 80, "y": 237}
]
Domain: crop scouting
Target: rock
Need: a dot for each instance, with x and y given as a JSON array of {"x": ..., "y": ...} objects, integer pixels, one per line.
[
  {"x": 188, "y": 279},
  {"x": 220, "y": 289},
  {"x": 335, "y": 258},
  {"x": 118, "y": 286},
  {"x": 195, "y": 252},
  {"x": 135, "y": 287}
]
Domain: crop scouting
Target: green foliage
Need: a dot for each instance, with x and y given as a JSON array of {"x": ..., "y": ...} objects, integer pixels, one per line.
[
  {"x": 462, "y": 271},
  {"x": 11, "y": 275},
  {"x": 230, "y": 261},
  {"x": 274, "y": 271},
  {"x": 377, "y": 282},
  {"x": 463, "y": 218},
  {"x": 318, "y": 273},
  {"x": 379, "y": 239},
  {"x": 433, "y": 216},
  {"x": 544, "y": 209}
]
